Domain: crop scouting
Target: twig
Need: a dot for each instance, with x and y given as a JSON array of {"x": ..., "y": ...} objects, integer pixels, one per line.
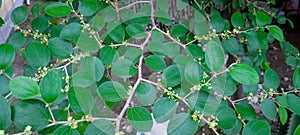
[
  {"x": 170, "y": 37},
  {"x": 241, "y": 99},
  {"x": 137, "y": 2},
  {"x": 51, "y": 114},
  {"x": 148, "y": 81}
]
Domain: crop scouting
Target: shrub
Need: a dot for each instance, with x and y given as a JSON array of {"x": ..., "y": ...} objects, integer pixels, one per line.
[{"x": 83, "y": 54}]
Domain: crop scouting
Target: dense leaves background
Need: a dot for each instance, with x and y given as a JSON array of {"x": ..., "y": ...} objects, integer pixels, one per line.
[{"x": 87, "y": 57}]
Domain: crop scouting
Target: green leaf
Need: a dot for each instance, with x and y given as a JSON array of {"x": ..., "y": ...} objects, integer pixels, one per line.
[
  {"x": 163, "y": 17},
  {"x": 124, "y": 68},
  {"x": 244, "y": 74},
  {"x": 50, "y": 86},
  {"x": 94, "y": 66},
  {"x": 271, "y": 80},
  {"x": 82, "y": 79},
  {"x": 276, "y": 32},
  {"x": 87, "y": 42},
  {"x": 1, "y": 22},
  {"x": 217, "y": 21},
  {"x": 257, "y": 127},
  {"x": 231, "y": 45},
  {"x": 23, "y": 87},
  {"x": 133, "y": 54},
  {"x": 5, "y": 117},
  {"x": 39, "y": 24},
  {"x": 281, "y": 100},
  {"x": 65, "y": 130},
  {"x": 163, "y": 5},
  {"x": 297, "y": 131},
  {"x": 112, "y": 91},
  {"x": 157, "y": 36},
  {"x": 182, "y": 124},
  {"x": 58, "y": 9},
  {"x": 116, "y": 31},
  {"x": 201, "y": 28},
  {"x": 0, "y": 3},
  {"x": 169, "y": 49},
  {"x": 30, "y": 112},
  {"x": 81, "y": 100},
  {"x": 246, "y": 110},
  {"x": 37, "y": 55},
  {"x": 163, "y": 109},
  {"x": 262, "y": 18},
  {"x": 97, "y": 22},
  {"x": 71, "y": 31},
  {"x": 19, "y": 15},
  {"x": 135, "y": 30},
  {"x": 291, "y": 61},
  {"x": 193, "y": 73},
  {"x": 214, "y": 56},
  {"x": 195, "y": 51},
  {"x": 204, "y": 102},
  {"x": 171, "y": 76},
  {"x": 100, "y": 127},
  {"x": 269, "y": 109},
  {"x": 60, "y": 48},
  {"x": 7, "y": 55},
  {"x": 18, "y": 40},
  {"x": 237, "y": 20},
  {"x": 224, "y": 85},
  {"x": 283, "y": 115},
  {"x": 89, "y": 7},
  {"x": 235, "y": 129},
  {"x": 292, "y": 101},
  {"x": 178, "y": 30},
  {"x": 155, "y": 63},
  {"x": 109, "y": 55},
  {"x": 227, "y": 118},
  {"x": 140, "y": 118},
  {"x": 4, "y": 83},
  {"x": 146, "y": 93},
  {"x": 296, "y": 78}
]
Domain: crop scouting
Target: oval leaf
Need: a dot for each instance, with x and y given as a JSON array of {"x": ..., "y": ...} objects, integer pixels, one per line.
[
  {"x": 193, "y": 73},
  {"x": 292, "y": 101},
  {"x": 268, "y": 108},
  {"x": 71, "y": 31},
  {"x": 182, "y": 124},
  {"x": 214, "y": 56},
  {"x": 227, "y": 118},
  {"x": 50, "y": 86},
  {"x": 100, "y": 127},
  {"x": 19, "y": 15},
  {"x": 257, "y": 127},
  {"x": 23, "y": 87},
  {"x": 37, "y": 55},
  {"x": 112, "y": 91},
  {"x": 155, "y": 63},
  {"x": 58, "y": 9},
  {"x": 108, "y": 55},
  {"x": 30, "y": 112},
  {"x": 5, "y": 117},
  {"x": 81, "y": 100},
  {"x": 163, "y": 109},
  {"x": 60, "y": 48},
  {"x": 140, "y": 118},
  {"x": 296, "y": 78},
  {"x": 7, "y": 55},
  {"x": 244, "y": 74},
  {"x": 146, "y": 93},
  {"x": 246, "y": 110},
  {"x": 271, "y": 80},
  {"x": 65, "y": 130},
  {"x": 283, "y": 115},
  {"x": 276, "y": 32},
  {"x": 171, "y": 76},
  {"x": 124, "y": 68}
]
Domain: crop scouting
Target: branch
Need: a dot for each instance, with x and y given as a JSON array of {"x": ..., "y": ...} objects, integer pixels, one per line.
[
  {"x": 137, "y": 2},
  {"x": 174, "y": 40}
]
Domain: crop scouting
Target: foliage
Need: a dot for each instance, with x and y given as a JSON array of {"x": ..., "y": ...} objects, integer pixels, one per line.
[{"x": 82, "y": 54}]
